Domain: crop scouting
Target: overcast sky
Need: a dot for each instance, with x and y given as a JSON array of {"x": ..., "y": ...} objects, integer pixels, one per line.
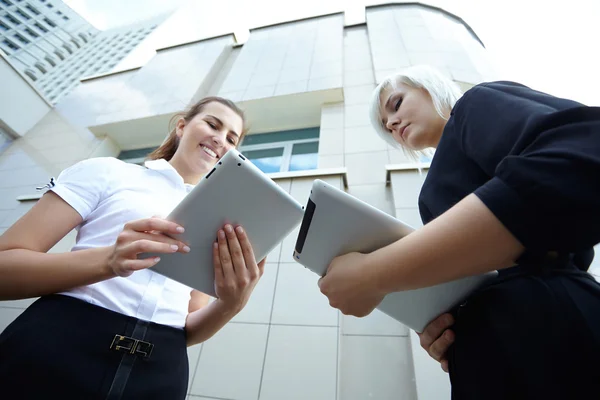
[{"x": 550, "y": 47}]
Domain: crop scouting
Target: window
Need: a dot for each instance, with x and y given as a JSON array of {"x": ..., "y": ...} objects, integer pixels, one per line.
[
  {"x": 12, "y": 19},
  {"x": 41, "y": 27},
  {"x": 49, "y": 5},
  {"x": 82, "y": 36},
  {"x": 49, "y": 22},
  {"x": 50, "y": 61},
  {"x": 41, "y": 68},
  {"x": 295, "y": 150},
  {"x": 22, "y": 14},
  {"x": 65, "y": 18},
  {"x": 33, "y": 10},
  {"x": 137, "y": 156},
  {"x": 6, "y": 3},
  {"x": 59, "y": 55},
  {"x": 3, "y": 26},
  {"x": 67, "y": 48},
  {"x": 75, "y": 43},
  {"x": 31, "y": 33},
  {"x": 31, "y": 75},
  {"x": 10, "y": 45},
  {"x": 21, "y": 38}
]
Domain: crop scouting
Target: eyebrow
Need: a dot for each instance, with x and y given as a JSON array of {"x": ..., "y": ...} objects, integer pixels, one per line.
[{"x": 222, "y": 124}]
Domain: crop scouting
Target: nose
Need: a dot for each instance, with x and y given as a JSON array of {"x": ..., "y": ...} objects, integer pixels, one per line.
[
  {"x": 392, "y": 123},
  {"x": 217, "y": 140}
]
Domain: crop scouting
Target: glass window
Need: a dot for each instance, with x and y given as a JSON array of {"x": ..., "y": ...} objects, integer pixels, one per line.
[
  {"x": 295, "y": 150},
  {"x": 41, "y": 68},
  {"x": 3, "y": 26},
  {"x": 33, "y": 10},
  {"x": 22, "y": 14},
  {"x": 82, "y": 36},
  {"x": 49, "y": 22},
  {"x": 40, "y": 27},
  {"x": 75, "y": 43},
  {"x": 10, "y": 45},
  {"x": 21, "y": 38},
  {"x": 50, "y": 61},
  {"x": 59, "y": 55},
  {"x": 67, "y": 48},
  {"x": 267, "y": 160},
  {"x": 31, "y": 75},
  {"x": 65, "y": 18},
  {"x": 6, "y": 3},
  {"x": 31, "y": 33},
  {"x": 49, "y": 5},
  {"x": 12, "y": 19},
  {"x": 304, "y": 156}
]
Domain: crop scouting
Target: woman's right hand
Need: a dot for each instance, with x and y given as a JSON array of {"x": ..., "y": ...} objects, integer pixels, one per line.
[
  {"x": 436, "y": 338},
  {"x": 146, "y": 235}
]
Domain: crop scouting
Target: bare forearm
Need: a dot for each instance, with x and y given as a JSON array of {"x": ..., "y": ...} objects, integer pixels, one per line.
[
  {"x": 202, "y": 324},
  {"x": 27, "y": 273},
  {"x": 466, "y": 240}
]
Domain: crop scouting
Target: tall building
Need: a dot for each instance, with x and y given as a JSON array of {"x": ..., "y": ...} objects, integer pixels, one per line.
[
  {"x": 305, "y": 87},
  {"x": 55, "y": 47}
]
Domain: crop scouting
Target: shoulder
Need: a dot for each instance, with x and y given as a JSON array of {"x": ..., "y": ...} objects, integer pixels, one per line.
[{"x": 103, "y": 164}]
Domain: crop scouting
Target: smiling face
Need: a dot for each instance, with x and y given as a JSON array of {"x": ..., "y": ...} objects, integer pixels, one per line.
[
  {"x": 409, "y": 115},
  {"x": 205, "y": 139}
]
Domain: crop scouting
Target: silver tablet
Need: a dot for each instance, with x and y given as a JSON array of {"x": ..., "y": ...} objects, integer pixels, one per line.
[
  {"x": 235, "y": 192},
  {"x": 335, "y": 223}
]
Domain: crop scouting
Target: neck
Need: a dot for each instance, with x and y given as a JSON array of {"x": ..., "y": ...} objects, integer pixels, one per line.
[{"x": 189, "y": 176}]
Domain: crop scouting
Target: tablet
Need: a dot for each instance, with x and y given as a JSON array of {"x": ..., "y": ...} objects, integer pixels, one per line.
[
  {"x": 335, "y": 223},
  {"x": 234, "y": 192}
]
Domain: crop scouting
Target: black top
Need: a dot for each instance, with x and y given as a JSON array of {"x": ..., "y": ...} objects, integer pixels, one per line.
[{"x": 532, "y": 158}]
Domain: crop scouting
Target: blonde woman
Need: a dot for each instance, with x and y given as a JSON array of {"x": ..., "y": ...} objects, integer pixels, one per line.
[{"x": 514, "y": 186}]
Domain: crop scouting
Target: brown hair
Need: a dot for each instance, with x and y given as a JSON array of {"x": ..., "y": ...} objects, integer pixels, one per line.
[{"x": 168, "y": 148}]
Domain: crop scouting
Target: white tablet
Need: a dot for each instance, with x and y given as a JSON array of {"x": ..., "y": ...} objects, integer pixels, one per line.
[
  {"x": 335, "y": 223},
  {"x": 234, "y": 192}
]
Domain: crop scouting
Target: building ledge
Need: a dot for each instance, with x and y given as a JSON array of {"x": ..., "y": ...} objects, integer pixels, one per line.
[
  {"x": 402, "y": 168},
  {"x": 313, "y": 173}
]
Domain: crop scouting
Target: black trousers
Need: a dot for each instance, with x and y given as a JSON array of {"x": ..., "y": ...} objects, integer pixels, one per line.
[
  {"x": 531, "y": 335},
  {"x": 60, "y": 347}
]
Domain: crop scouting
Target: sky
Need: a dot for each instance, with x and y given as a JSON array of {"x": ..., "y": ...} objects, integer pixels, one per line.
[{"x": 549, "y": 45}]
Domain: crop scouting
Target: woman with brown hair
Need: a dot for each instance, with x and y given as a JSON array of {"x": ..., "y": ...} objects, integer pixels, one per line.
[{"x": 105, "y": 325}]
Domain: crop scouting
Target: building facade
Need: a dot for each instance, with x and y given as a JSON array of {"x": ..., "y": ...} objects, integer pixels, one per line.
[
  {"x": 305, "y": 87},
  {"x": 54, "y": 47}
]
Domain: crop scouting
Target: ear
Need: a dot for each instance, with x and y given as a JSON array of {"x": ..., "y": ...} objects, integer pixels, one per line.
[{"x": 179, "y": 127}]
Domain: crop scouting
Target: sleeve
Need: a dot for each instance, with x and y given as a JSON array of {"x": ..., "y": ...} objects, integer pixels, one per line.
[
  {"x": 84, "y": 184},
  {"x": 543, "y": 154}
]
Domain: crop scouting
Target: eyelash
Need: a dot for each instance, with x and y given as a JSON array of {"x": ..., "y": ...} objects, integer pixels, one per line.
[
  {"x": 232, "y": 141},
  {"x": 397, "y": 106}
]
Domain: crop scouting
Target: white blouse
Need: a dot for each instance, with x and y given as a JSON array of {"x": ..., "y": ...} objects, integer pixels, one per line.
[{"x": 108, "y": 193}]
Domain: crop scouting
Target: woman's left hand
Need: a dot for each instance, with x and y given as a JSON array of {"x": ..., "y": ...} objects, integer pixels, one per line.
[
  {"x": 350, "y": 287},
  {"x": 236, "y": 270}
]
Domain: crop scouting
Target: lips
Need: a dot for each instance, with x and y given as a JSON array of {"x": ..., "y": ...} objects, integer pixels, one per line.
[{"x": 403, "y": 130}]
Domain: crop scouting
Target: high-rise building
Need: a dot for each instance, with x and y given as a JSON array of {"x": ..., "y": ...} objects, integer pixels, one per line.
[
  {"x": 305, "y": 87},
  {"x": 55, "y": 47}
]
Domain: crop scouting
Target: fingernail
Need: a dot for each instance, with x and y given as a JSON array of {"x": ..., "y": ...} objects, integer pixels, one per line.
[
  {"x": 157, "y": 259},
  {"x": 239, "y": 229},
  {"x": 174, "y": 247},
  {"x": 228, "y": 228},
  {"x": 180, "y": 229},
  {"x": 448, "y": 335},
  {"x": 222, "y": 234},
  {"x": 186, "y": 249}
]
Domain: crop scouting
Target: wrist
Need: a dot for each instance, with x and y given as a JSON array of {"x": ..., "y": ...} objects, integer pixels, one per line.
[
  {"x": 105, "y": 267},
  {"x": 376, "y": 277},
  {"x": 226, "y": 309}
]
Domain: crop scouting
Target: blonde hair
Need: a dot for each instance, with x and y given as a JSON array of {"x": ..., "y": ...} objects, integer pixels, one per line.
[{"x": 443, "y": 91}]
